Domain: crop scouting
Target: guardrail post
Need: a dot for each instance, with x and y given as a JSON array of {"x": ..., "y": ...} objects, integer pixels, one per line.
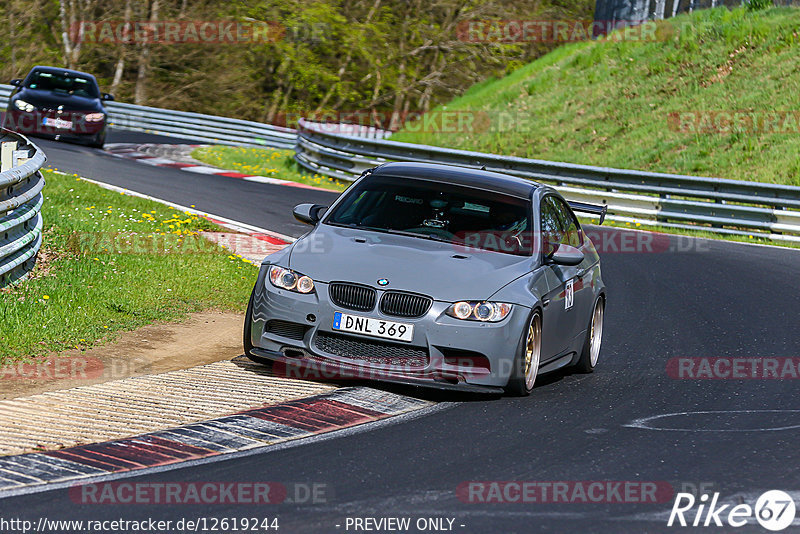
[
  {"x": 19, "y": 157},
  {"x": 7, "y": 149}
]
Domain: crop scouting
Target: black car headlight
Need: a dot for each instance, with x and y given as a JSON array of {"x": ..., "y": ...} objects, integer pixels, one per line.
[
  {"x": 487, "y": 312},
  {"x": 24, "y": 106},
  {"x": 288, "y": 279}
]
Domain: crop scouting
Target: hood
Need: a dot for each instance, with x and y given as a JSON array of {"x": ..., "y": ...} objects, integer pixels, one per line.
[
  {"x": 49, "y": 99},
  {"x": 442, "y": 270}
]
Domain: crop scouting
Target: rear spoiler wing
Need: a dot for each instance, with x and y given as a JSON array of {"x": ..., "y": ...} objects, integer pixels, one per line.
[{"x": 593, "y": 209}]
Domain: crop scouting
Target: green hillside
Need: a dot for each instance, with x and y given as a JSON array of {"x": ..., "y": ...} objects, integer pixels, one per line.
[{"x": 639, "y": 104}]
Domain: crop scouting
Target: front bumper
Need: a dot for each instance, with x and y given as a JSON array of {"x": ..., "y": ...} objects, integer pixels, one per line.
[
  {"x": 445, "y": 352},
  {"x": 33, "y": 123}
]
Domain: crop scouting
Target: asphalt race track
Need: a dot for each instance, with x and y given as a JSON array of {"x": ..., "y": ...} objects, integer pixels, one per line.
[{"x": 708, "y": 299}]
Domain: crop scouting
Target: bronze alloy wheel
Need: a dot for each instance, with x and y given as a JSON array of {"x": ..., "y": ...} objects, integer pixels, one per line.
[{"x": 533, "y": 350}]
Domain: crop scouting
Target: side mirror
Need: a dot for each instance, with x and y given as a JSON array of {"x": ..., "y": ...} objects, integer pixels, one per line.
[
  {"x": 566, "y": 255},
  {"x": 16, "y": 82},
  {"x": 106, "y": 96},
  {"x": 308, "y": 213}
]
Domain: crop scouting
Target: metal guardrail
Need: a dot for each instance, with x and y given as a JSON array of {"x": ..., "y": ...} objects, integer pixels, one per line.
[
  {"x": 187, "y": 125},
  {"x": 199, "y": 127},
  {"x": 353, "y": 130},
  {"x": 5, "y": 92},
  {"x": 670, "y": 200},
  {"x": 21, "y": 201}
]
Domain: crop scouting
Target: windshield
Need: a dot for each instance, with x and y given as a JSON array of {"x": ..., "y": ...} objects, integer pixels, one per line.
[
  {"x": 445, "y": 212},
  {"x": 66, "y": 84}
]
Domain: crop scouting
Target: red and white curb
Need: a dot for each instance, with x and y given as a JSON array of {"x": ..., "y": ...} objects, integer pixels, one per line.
[
  {"x": 133, "y": 151},
  {"x": 244, "y": 431}
]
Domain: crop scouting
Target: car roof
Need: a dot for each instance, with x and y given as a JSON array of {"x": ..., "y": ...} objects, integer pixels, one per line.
[
  {"x": 58, "y": 70},
  {"x": 451, "y": 174}
]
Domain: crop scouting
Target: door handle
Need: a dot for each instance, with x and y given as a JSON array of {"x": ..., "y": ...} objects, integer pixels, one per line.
[{"x": 545, "y": 302}]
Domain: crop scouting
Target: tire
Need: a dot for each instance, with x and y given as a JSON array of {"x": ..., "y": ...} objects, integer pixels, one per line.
[
  {"x": 527, "y": 359},
  {"x": 594, "y": 337},
  {"x": 247, "y": 338}
]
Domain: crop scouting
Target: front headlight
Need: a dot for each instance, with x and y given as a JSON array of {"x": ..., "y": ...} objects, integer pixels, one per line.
[
  {"x": 487, "y": 312},
  {"x": 290, "y": 280},
  {"x": 94, "y": 117},
  {"x": 24, "y": 106}
]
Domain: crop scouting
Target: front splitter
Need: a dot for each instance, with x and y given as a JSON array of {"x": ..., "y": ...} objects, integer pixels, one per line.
[{"x": 336, "y": 371}]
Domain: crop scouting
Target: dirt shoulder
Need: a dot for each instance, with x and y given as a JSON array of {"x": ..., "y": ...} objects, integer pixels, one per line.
[{"x": 204, "y": 338}]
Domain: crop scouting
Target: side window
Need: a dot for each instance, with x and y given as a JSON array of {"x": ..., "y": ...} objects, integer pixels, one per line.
[
  {"x": 551, "y": 226},
  {"x": 569, "y": 224}
]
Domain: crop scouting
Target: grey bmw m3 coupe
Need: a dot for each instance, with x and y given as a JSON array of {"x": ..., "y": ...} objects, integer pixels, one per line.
[{"x": 433, "y": 275}]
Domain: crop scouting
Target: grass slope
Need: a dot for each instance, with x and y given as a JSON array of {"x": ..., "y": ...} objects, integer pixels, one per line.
[
  {"x": 609, "y": 102},
  {"x": 113, "y": 262}
]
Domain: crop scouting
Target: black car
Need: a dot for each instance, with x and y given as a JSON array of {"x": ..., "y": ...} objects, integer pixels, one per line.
[{"x": 58, "y": 103}]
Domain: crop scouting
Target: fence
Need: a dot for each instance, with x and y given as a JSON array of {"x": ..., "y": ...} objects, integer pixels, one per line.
[
  {"x": 21, "y": 200},
  {"x": 631, "y": 12},
  {"x": 671, "y": 200}
]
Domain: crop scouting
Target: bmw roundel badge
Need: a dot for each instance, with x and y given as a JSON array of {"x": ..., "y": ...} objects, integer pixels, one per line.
[{"x": 383, "y": 282}]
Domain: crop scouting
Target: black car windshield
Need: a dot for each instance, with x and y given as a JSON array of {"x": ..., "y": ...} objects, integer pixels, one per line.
[
  {"x": 63, "y": 83},
  {"x": 446, "y": 212}
]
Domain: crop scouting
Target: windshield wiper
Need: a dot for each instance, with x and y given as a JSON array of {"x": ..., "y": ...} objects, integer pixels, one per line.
[{"x": 432, "y": 237}]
